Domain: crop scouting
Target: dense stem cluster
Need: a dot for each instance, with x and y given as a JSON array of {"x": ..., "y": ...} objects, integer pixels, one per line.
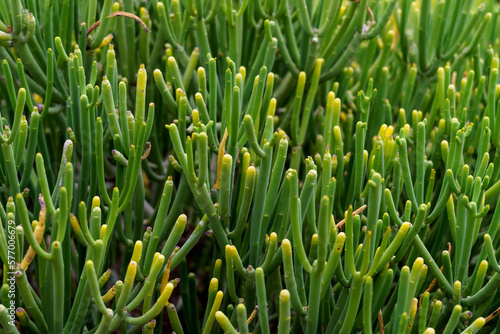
[{"x": 237, "y": 166}]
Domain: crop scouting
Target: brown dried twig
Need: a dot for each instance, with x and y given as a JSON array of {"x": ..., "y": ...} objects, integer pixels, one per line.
[
  {"x": 355, "y": 213},
  {"x": 492, "y": 315},
  {"x": 381, "y": 322},
  {"x": 252, "y": 315},
  {"x": 119, "y": 13},
  {"x": 147, "y": 151}
]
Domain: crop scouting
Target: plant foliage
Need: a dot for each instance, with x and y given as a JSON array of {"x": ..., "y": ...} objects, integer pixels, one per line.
[{"x": 205, "y": 166}]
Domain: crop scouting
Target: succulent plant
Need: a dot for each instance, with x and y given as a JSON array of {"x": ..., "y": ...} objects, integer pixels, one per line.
[{"x": 316, "y": 166}]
